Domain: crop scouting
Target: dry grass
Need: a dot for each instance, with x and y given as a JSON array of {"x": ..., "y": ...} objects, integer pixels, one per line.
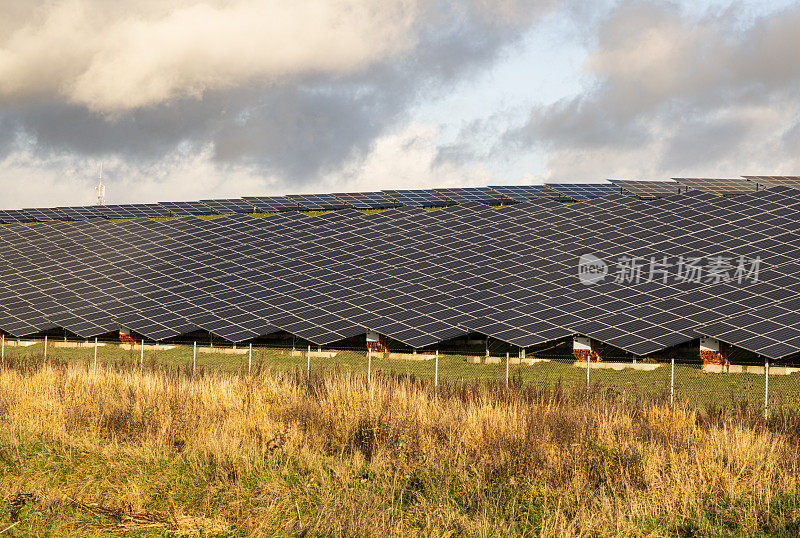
[{"x": 83, "y": 452}]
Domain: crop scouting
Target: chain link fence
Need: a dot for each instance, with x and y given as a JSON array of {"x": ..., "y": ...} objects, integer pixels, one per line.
[{"x": 678, "y": 382}]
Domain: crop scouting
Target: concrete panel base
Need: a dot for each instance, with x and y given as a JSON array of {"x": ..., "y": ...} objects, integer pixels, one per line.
[
  {"x": 641, "y": 366},
  {"x": 221, "y": 350},
  {"x": 405, "y": 356},
  {"x": 147, "y": 347},
  {"x": 76, "y": 344},
  {"x": 20, "y": 343},
  {"x": 314, "y": 354},
  {"x": 530, "y": 361},
  {"x": 747, "y": 369}
]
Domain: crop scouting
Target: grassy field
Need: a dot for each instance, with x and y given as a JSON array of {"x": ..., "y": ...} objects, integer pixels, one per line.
[
  {"x": 692, "y": 387},
  {"x": 155, "y": 453}
]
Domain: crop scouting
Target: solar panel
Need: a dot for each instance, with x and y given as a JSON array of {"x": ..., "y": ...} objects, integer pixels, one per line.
[
  {"x": 9, "y": 216},
  {"x": 649, "y": 189},
  {"x": 483, "y": 195},
  {"x": 45, "y": 214},
  {"x": 773, "y": 181},
  {"x": 577, "y": 192},
  {"x": 271, "y": 204},
  {"x": 316, "y": 202},
  {"x": 526, "y": 193},
  {"x": 418, "y": 197},
  {"x": 132, "y": 211},
  {"x": 718, "y": 185},
  {"x": 182, "y": 209},
  {"x": 81, "y": 212},
  {"x": 366, "y": 200},
  {"x": 229, "y": 206}
]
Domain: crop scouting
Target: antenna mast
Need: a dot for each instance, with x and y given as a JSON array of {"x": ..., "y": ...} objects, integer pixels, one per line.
[{"x": 101, "y": 189}]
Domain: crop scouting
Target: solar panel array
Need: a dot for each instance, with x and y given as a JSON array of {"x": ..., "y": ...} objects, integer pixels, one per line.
[{"x": 419, "y": 276}]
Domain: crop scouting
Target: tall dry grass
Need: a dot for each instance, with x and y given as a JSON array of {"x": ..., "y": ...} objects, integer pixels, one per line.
[{"x": 335, "y": 455}]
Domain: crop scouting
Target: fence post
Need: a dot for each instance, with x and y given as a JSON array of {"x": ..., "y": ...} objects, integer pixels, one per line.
[
  {"x": 308, "y": 363},
  {"x": 507, "y": 361},
  {"x": 95, "y": 353},
  {"x": 141, "y": 355},
  {"x": 194, "y": 359},
  {"x": 436, "y": 371},
  {"x": 588, "y": 362},
  {"x": 369, "y": 365},
  {"x": 250, "y": 359},
  {"x": 672, "y": 381},
  {"x": 45, "y": 348},
  {"x": 766, "y": 387},
  {"x": 3, "y": 351}
]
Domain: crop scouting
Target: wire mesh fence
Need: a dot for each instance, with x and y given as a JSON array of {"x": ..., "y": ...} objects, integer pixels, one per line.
[{"x": 683, "y": 383}]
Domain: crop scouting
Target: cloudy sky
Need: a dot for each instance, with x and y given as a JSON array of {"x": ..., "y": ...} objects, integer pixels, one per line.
[{"x": 189, "y": 99}]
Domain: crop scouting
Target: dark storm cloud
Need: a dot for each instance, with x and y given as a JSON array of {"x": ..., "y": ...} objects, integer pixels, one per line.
[
  {"x": 684, "y": 92},
  {"x": 312, "y": 122}
]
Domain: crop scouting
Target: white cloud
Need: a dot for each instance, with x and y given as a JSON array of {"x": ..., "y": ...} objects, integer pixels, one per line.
[
  {"x": 116, "y": 56},
  {"x": 406, "y": 159},
  {"x": 677, "y": 94}
]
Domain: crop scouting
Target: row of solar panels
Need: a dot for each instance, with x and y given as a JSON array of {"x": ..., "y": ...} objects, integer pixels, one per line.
[
  {"x": 423, "y": 277},
  {"x": 494, "y": 195},
  {"x": 444, "y": 197}
]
